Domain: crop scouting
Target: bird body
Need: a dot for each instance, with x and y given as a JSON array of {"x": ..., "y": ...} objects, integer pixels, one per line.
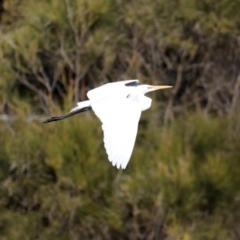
[{"x": 118, "y": 105}]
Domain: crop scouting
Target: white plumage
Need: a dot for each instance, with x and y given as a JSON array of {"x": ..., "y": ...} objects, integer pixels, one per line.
[
  {"x": 118, "y": 105},
  {"x": 119, "y": 117}
]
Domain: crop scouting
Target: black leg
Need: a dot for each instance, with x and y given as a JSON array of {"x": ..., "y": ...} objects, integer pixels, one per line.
[{"x": 57, "y": 118}]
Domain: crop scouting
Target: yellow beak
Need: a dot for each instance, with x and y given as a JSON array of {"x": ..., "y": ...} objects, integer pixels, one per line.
[{"x": 159, "y": 87}]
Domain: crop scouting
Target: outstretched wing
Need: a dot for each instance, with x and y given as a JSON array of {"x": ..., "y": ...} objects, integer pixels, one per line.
[
  {"x": 110, "y": 89},
  {"x": 119, "y": 117}
]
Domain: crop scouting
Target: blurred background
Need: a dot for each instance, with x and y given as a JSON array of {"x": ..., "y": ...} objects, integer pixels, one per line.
[{"x": 183, "y": 179}]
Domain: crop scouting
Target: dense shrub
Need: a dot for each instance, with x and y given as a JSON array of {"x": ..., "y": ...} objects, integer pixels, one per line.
[
  {"x": 49, "y": 48},
  {"x": 183, "y": 178},
  {"x": 182, "y": 182}
]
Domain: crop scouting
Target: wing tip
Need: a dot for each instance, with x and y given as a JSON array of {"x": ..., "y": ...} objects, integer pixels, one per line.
[{"x": 118, "y": 165}]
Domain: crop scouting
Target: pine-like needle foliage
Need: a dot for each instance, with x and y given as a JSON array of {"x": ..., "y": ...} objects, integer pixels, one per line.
[
  {"x": 183, "y": 178},
  {"x": 181, "y": 183}
]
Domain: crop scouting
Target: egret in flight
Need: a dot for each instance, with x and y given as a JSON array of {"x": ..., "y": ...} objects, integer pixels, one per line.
[{"x": 118, "y": 105}]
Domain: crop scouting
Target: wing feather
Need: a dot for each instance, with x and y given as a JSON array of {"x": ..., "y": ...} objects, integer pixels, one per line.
[{"x": 119, "y": 117}]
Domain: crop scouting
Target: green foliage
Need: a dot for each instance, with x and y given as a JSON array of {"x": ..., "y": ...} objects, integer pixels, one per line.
[
  {"x": 182, "y": 181},
  {"x": 56, "y": 44}
]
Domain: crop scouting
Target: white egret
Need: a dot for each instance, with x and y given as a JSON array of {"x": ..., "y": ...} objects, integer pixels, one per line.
[{"x": 118, "y": 105}]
